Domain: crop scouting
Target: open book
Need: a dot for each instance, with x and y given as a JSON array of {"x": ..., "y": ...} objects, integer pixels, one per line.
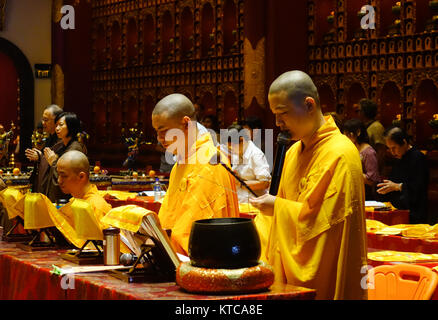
[{"x": 139, "y": 226}]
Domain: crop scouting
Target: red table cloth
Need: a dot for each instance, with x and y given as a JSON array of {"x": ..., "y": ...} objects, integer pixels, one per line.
[
  {"x": 26, "y": 275},
  {"x": 390, "y": 218},
  {"x": 400, "y": 243}
]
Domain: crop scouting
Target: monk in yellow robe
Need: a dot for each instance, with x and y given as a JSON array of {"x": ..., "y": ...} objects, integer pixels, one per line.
[
  {"x": 317, "y": 233},
  {"x": 197, "y": 189},
  {"x": 73, "y": 178}
]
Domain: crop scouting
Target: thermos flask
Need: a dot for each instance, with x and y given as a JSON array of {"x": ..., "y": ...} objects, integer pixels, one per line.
[{"x": 111, "y": 246}]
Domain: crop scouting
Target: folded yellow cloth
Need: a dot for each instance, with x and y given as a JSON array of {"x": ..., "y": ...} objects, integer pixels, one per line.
[
  {"x": 77, "y": 222},
  {"x": 391, "y": 230},
  {"x": 407, "y": 230},
  {"x": 121, "y": 195},
  {"x": 9, "y": 197},
  {"x": 423, "y": 231},
  {"x": 374, "y": 225},
  {"x": 86, "y": 224},
  {"x": 126, "y": 217},
  {"x": 36, "y": 209},
  {"x": 399, "y": 256}
]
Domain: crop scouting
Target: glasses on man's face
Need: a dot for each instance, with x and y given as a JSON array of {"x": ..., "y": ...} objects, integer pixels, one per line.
[{"x": 46, "y": 119}]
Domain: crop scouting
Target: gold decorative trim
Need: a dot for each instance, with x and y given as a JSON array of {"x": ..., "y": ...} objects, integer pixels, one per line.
[
  {"x": 254, "y": 73},
  {"x": 58, "y": 86},
  {"x": 56, "y": 10}
]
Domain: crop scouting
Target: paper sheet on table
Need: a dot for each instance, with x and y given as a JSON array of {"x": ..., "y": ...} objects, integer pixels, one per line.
[
  {"x": 374, "y": 204},
  {"x": 149, "y": 193},
  {"x": 62, "y": 270},
  {"x": 182, "y": 257}
]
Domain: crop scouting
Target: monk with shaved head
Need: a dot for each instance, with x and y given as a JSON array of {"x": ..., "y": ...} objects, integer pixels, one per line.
[
  {"x": 73, "y": 178},
  {"x": 197, "y": 189},
  {"x": 314, "y": 228},
  {"x": 73, "y": 173}
]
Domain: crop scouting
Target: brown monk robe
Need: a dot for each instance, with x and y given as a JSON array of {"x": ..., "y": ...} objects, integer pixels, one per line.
[{"x": 41, "y": 174}]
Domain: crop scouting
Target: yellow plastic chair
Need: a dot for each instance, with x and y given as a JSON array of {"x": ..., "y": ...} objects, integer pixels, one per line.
[{"x": 402, "y": 282}]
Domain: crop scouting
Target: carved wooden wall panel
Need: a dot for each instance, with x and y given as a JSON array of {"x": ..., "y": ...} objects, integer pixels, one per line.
[
  {"x": 391, "y": 60},
  {"x": 144, "y": 50}
]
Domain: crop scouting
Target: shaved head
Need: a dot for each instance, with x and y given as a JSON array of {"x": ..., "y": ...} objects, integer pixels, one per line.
[
  {"x": 297, "y": 85},
  {"x": 294, "y": 100},
  {"x": 76, "y": 161},
  {"x": 175, "y": 106},
  {"x": 73, "y": 173},
  {"x": 174, "y": 112}
]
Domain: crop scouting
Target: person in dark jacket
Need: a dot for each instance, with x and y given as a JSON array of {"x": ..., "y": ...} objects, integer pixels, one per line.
[
  {"x": 67, "y": 128},
  {"x": 407, "y": 185}
]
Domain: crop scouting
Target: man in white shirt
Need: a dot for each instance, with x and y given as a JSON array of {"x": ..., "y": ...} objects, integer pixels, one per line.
[{"x": 249, "y": 162}]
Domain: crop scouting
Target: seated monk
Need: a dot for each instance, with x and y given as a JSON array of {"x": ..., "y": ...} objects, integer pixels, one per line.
[
  {"x": 197, "y": 190},
  {"x": 73, "y": 178}
]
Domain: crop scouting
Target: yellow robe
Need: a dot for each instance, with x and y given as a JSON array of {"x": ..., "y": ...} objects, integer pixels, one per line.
[
  {"x": 317, "y": 235},
  {"x": 197, "y": 190},
  {"x": 64, "y": 217}
]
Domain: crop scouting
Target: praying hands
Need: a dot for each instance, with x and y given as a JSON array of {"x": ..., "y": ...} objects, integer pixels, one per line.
[
  {"x": 32, "y": 154},
  {"x": 50, "y": 155}
]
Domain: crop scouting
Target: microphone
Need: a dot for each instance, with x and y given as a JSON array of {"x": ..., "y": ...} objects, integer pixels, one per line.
[
  {"x": 283, "y": 142},
  {"x": 216, "y": 159},
  {"x": 128, "y": 259}
]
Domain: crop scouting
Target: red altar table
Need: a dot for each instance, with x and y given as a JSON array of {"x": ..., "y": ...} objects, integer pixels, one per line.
[
  {"x": 27, "y": 276},
  {"x": 388, "y": 217},
  {"x": 400, "y": 243}
]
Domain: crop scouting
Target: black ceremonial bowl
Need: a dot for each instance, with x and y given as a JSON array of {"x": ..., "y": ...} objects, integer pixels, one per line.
[{"x": 224, "y": 243}]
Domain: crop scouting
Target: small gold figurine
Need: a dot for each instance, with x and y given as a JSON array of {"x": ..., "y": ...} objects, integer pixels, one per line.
[
  {"x": 5, "y": 139},
  {"x": 39, "y": 137},
  {"x": 133, "y": 141}
]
